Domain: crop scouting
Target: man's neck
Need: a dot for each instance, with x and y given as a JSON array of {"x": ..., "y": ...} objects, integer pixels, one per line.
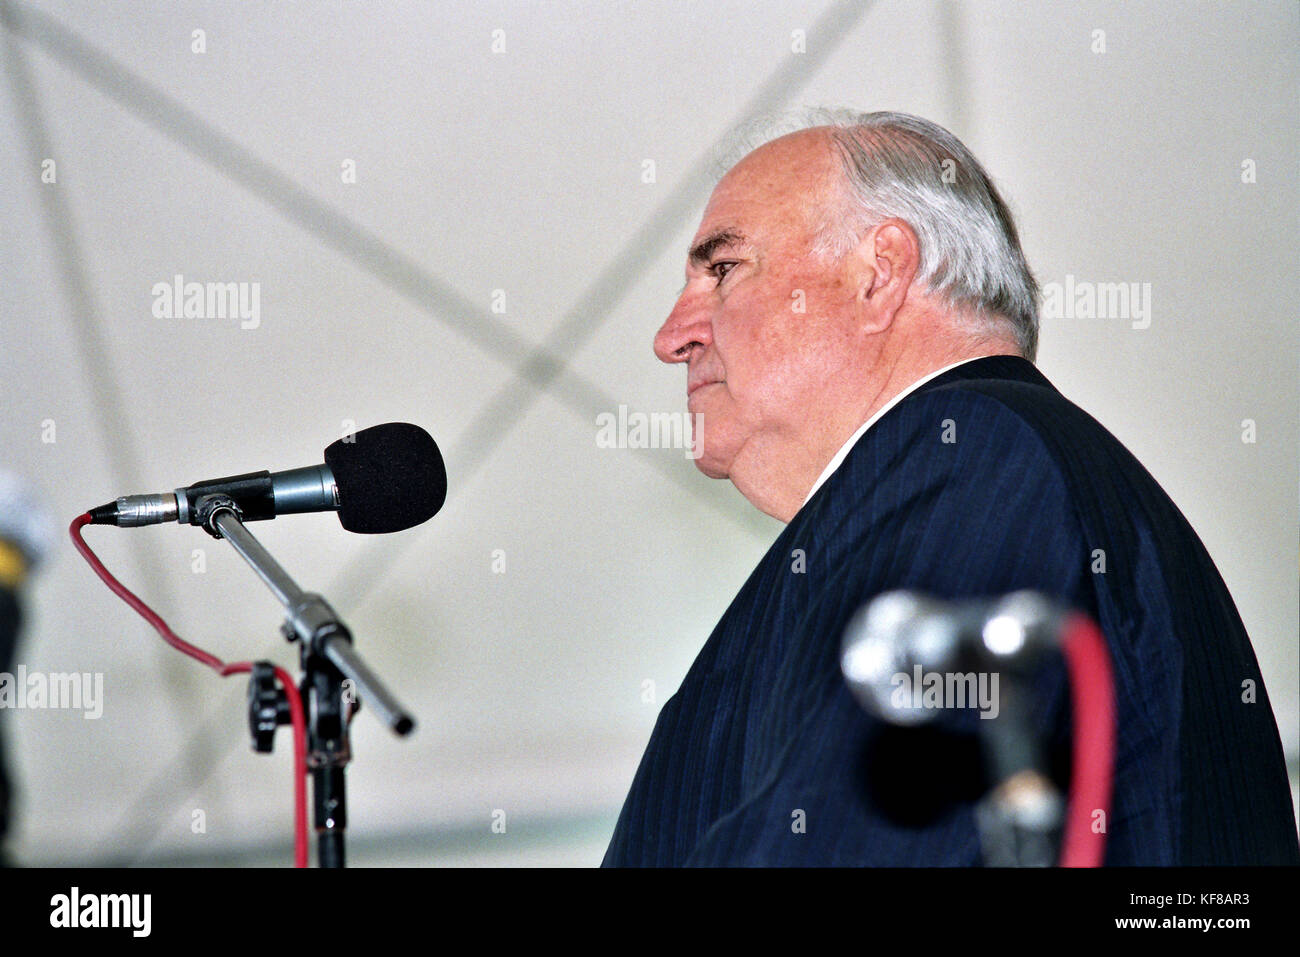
[{"x": 788, "y": 481}]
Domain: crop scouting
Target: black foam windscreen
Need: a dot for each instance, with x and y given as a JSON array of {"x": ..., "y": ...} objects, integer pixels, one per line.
[{"x": 389, "y": 477}]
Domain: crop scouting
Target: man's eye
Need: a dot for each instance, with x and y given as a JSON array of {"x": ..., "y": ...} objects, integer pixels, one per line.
[{"x": 720, "y": 269}]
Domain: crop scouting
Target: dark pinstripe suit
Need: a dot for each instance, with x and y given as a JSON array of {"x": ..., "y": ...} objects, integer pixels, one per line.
[{"x": 763, "y": 727}]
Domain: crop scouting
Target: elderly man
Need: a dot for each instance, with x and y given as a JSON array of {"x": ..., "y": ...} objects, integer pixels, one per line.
[{"x": 858, "y": 327}]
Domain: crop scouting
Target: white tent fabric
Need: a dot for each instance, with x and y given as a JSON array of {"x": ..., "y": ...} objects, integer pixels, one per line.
[{"x": 474, "y": 217}]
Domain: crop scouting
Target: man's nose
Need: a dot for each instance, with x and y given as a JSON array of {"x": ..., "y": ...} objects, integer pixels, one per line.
[{"x": 687, "y": 325}]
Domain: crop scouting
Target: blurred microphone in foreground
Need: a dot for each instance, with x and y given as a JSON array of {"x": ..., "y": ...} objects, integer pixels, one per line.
[{"x": 907, "y": 657}]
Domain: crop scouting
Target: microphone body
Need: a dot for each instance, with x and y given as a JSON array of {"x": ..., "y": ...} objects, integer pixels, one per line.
[
  {"x": 385, "y": 478},
  {"x": 259, "y": 495}
]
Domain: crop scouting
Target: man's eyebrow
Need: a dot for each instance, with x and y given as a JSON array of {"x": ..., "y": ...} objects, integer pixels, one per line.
[{"x": 710, "y": 244}]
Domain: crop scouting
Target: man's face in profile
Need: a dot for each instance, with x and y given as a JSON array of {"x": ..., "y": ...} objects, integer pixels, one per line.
[{"x": 762, "y": 320}]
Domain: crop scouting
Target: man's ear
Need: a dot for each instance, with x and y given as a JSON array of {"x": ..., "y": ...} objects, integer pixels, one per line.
[{"x": 887, "y": 260}]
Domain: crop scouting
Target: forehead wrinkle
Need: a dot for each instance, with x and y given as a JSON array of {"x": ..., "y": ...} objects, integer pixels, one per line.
[{"x": 796, "y": 179}]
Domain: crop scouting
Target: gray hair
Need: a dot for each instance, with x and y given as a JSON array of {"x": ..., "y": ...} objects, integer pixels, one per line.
[{"x": 901, "y": 166}]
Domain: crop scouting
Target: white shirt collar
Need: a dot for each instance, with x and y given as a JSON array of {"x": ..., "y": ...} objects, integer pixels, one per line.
[{"x": 847, "y": 447}]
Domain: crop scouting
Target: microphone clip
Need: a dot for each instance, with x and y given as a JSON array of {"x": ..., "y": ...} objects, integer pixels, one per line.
[{"x": 208, "y": 507}]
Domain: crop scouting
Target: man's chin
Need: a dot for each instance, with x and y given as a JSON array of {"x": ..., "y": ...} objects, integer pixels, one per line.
[{"x": 711, "y": 467}]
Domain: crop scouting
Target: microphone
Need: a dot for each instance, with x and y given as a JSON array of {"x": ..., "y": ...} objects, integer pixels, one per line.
[
  {"x": 386, "y": 478},
  {"x": 900, "y": 632}
]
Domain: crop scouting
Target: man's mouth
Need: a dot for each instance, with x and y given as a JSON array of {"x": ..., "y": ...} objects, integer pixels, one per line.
[{"x": 700, "y": 385}]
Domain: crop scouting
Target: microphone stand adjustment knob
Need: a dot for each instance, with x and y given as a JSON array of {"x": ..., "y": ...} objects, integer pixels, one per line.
[{"x": 268, "y": 706}]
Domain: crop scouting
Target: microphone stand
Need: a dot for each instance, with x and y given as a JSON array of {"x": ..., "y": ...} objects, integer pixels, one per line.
[
  {"x": 334, "y": 679},
  {"x": 1021, "y": 818}
]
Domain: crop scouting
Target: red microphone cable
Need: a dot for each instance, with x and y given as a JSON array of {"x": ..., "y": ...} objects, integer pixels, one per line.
[
  {"x": 1093, "y": 704},
  {"x": 223, "y": 669}
]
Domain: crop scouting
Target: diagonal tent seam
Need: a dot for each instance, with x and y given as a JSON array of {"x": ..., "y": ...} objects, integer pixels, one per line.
[
  {"x": 326, "y": 224},
  {"x": 613, "y": 284},
  {"x": 105, "y": 385},
  {"x": 952, "y": 36},
  {"x": 615, "y": 281},
  {"x": 540, "y": 369}
]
